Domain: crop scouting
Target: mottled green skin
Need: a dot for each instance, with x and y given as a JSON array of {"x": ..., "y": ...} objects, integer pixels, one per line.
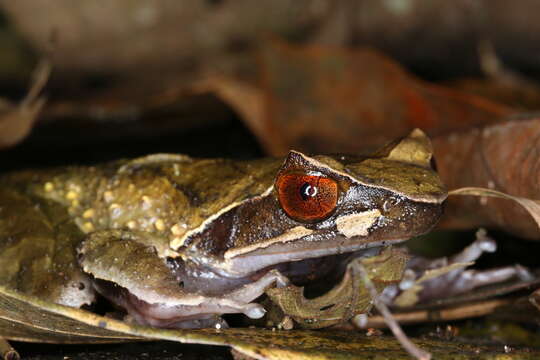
[
  {"x": 131, "y": 195},
  {"x": 37, "y": 249},
  {"x": 44, "y": 215}
]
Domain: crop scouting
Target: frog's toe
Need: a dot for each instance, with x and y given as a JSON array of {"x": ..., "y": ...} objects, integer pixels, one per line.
[
  {"x": 445, "y": 277},
  {"x": 523, "y": 273},
  {"x": 408, "y": 280},
  {"x": 471, "y": 279},
  {"x": 488, "y": 245},
  {"x": 482, "y": 244},
  {"x": 254, "y": 311}
]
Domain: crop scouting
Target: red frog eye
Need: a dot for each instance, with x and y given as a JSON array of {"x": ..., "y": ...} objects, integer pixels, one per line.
[{"x": 307, "y": 198}]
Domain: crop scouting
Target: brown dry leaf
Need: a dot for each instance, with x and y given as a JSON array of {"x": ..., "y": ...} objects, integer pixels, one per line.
[
  {"x": 503, "y": 157},
  {"x": 322, "y": 99},
  {"x": 526, "y": 98},
  {"x": 16, "y": 121},
  {"x": 42, "y": 321},
  {"x": 532, "y": 206}
]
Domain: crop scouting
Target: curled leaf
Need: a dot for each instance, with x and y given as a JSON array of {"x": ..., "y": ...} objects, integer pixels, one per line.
[
  {"x": 532, "y": 206},
  {"x": 502, "y": 158}
]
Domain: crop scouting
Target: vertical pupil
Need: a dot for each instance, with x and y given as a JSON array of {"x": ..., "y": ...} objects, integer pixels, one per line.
[{"x": 308, "y": 191}]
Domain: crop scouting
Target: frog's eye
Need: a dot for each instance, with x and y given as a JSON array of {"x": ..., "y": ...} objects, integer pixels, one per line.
[{"x": 307, "y": 198}]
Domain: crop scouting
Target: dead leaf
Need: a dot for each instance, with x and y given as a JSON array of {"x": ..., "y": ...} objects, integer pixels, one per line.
[
  {"x": 323, "y": 99},
  {"x": 525, "y": 98},
  {"x": 502, "y": 158},
  {"x": 75, "y": 325},
  {"x": 532, "y": 206}
]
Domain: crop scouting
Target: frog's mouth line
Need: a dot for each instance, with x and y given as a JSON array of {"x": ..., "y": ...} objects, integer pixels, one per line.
[
  {"x": 313, "y": 273},
  {"x": 300, "y": 250}
]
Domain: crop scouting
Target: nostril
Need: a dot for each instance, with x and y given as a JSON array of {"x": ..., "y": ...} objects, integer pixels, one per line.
[{"x": 326, "y": 307}]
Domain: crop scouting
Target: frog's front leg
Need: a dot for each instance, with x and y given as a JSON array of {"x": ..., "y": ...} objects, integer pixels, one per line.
[
  {"x": 128, "y": 271},
  {"x": 446, "y": 277}
]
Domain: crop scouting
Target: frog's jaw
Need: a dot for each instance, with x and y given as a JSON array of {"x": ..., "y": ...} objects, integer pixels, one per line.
[
  {"x": 297, "y": 251},
  {"x": 347, "y": 233}
]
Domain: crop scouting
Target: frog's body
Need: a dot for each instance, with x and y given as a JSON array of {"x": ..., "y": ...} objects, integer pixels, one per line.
[{"x": 178, "y": 241}]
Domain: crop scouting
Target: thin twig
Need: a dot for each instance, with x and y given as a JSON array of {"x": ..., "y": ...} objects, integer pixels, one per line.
[
  {"x": 407, "y": 344},
  {"x": 7, "y": 352},
  {"x": 450, "y": 314},
  {"x": 39, "y": 79}
]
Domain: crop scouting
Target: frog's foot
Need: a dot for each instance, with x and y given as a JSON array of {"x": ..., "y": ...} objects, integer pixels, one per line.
[
  {"x": 446, "y": 277},
  {"x": 467, "y": 280}
]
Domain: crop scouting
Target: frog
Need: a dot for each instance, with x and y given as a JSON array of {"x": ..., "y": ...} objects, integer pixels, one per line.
[{"x": 178, "y": 242}]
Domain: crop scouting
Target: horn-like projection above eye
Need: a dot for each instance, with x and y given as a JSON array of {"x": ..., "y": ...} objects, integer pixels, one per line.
[{"x": 307, "y": 198}]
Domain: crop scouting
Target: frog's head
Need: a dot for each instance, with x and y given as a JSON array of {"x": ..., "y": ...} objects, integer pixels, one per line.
[{"x": 324, "y": 205}]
